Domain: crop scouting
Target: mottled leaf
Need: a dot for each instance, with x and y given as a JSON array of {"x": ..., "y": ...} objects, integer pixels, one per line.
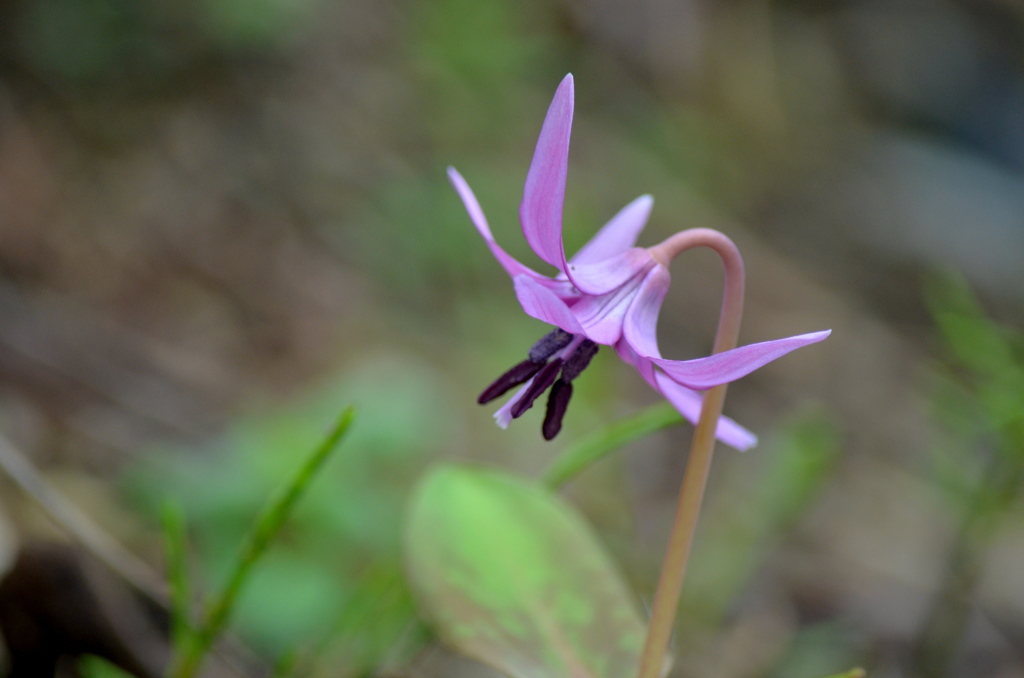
[{"x": 512, "y": 576}]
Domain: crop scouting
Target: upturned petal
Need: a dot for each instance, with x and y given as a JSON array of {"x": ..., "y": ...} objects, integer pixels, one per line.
[
  {"x": 544, "y": 194},
  {"x": 722, "y": 368},
  {"x": 543, "y": 304},
  {"x": 544, "y": 199},
  {"x": 618, "y": 235}
]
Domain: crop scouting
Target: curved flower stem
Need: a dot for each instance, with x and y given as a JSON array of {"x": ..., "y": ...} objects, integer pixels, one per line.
[{"x": 698, "y": 464}]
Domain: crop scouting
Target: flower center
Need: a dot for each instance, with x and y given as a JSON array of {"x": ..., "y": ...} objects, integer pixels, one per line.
[{"x": 553, "y": 362}]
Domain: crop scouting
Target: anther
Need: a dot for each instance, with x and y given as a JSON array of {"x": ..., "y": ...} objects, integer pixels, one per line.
[
  {"x": 545, "y": 377},
  {"x": 578, "y": 361},
  {"x": 558, "y": 402},
  {"x": 517, "y": 375},
  {"x": 550, "y": 344}
]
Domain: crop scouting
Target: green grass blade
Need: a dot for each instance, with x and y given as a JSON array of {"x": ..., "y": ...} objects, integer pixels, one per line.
[
  {"x": 264, "y": 530},
  {"x": 177, "y": 575}
]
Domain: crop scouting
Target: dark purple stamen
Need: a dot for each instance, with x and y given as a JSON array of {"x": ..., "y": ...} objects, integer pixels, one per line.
[
  {"x": 545, "y": 377},
  {"x": 558, "y": 402},
  {"x": 550, "y": 344},
  {"x": 578, "y": 361},
  {"x": 517, "y": 375}
]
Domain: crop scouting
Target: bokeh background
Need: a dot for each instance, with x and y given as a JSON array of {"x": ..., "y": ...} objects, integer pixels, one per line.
[{"x": 223, "y": 220}]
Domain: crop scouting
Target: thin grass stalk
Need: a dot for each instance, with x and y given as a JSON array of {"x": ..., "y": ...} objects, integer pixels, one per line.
[{"x": 264, "y": 530}]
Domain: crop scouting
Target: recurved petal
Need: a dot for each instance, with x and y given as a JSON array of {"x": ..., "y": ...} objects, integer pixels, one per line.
[
  {"x": 544, "y": 193},
  {"x": 543, "y": 304},
  {"x": 476, "y": 215},
  {"x": 689, "y": 403},
  {"x": 562, "y": 287},
  {"x": 618, "y": 235},
  {"x": 721, "y": 368},
  {"x": 640, "y": 325}
]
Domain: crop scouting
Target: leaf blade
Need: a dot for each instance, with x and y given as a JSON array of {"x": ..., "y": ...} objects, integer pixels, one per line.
[{"x": 513, "y": 577}]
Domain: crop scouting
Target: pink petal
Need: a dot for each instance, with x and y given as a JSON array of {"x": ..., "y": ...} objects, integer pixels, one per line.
[
  {"x": 618, "y": 235},
  {"x": 641, "y": 322},
  {"x": 543, "y": 304},
  {"x": 563, "y": 288},
  {"x": 643, "y": 365},
  {"x": 721, "y": 368},
  {"x": 476, "y": 215},
  {"x": 605, "y": 275},
  {"x": 626, "y": 353},
  {"x": 688, "y": 403},
  {"x": 601, "y": 316},
  {"x": 544, "y": 194}
]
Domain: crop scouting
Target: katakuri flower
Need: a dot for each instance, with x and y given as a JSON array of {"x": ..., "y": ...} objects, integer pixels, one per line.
[{"x": 609, "y": 293}]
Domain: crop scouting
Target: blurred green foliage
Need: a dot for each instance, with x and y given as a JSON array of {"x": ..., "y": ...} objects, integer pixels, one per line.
[
  {"x": 980, "y": 393},
  {"x": 979, "y": 461},
  {"x": 818, "y": 650},
  {"x": 91, "y": 666},
  {"x": 343, "y": 537},
  {"x": 192, "y": 645},
  {"x": 76, "y": 45}
]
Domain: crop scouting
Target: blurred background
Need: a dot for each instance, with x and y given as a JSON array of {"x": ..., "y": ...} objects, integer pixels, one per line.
[{"x": 223, "y": 220}]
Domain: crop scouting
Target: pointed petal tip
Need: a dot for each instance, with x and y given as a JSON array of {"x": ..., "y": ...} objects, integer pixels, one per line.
[
  {"x": 743, "y": 443},
  {"x": 566, "y": 91},
  {"x": 457, "y": 181},
  {"x": 540, "y": 212},
  {"x": 722, "y": 368}
]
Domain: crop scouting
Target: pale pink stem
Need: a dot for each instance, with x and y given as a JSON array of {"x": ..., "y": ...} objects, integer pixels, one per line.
[{"x": 698, "y": 464}]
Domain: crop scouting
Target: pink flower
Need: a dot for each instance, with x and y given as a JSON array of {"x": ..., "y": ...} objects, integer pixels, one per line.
[{"x": 609, "y": 293}]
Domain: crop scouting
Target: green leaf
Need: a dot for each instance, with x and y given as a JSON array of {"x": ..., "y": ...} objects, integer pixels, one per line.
[{"x": 512, "y": 576}]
